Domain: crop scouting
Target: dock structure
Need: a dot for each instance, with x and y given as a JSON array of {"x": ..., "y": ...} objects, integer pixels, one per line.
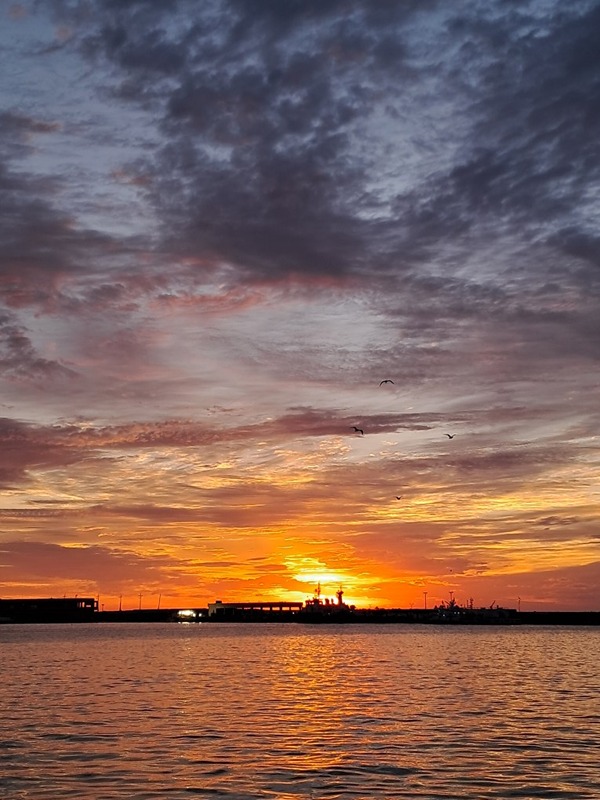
[{"x": 253, "y": 609}]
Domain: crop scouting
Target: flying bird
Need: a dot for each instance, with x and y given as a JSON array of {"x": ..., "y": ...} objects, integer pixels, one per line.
[
  {"x": 398, "y": 497},
  {"x": 358, "y": 430},
  {"x": 387, "y": 380},
  {"x": 449, "y": 436}
]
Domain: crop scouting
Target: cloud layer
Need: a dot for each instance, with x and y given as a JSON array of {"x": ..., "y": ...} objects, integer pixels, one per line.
[{"x": 223, "y": 224}]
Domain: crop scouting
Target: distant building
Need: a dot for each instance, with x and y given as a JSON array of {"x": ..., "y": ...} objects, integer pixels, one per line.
[{"x": 48, "y": 609}]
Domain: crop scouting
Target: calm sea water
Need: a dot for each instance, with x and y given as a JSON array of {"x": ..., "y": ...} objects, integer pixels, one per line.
[{"x": 139, "y": 712}]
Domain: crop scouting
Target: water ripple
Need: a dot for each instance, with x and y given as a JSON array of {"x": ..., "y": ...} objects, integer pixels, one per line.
[{"x": 148, "y": 712}]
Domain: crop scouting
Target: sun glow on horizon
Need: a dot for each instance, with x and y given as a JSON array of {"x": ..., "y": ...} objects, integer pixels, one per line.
[{"x": 322, "y": 578}]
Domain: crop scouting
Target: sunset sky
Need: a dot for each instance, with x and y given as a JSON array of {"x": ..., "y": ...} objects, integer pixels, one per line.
[{"x": 223, "y": 224}]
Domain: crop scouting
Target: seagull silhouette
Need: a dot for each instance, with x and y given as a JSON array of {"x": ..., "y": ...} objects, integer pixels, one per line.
[
  {"x": 385, "y": 381},
  {"x": 448, "y": 435},
  {"x": 398, "y": 497},
  {"x": 358, "y": 430}
]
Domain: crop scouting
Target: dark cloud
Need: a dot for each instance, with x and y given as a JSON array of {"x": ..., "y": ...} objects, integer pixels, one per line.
[
  {"x": 45, "y": 249},
  {"x": 280, "y": 121},
  {"x": 41, "y": 244},
  {"x": 34, "y": 234},
  {"x": 263, "y": 104},
  {"x": 31, "y": 560},
  {"x": 147, "y": 512},
  {"x": 583, "y": 247},
  {"x": 501, "y": 472},
  {"x": 16, "y": 132},
  {"x": 25, "y": 448},
  {"x": 263, "y": 108},
  {"x": 19, "y": 359}
]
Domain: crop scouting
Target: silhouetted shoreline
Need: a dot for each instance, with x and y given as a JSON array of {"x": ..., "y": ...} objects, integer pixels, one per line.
[{"x": 77, "y": 610}]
